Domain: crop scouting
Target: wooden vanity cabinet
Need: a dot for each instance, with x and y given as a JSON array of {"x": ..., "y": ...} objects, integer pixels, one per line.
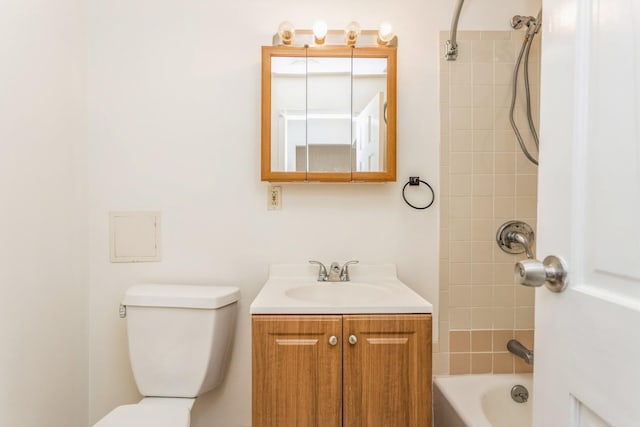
[{"x": 303, "y": 378}]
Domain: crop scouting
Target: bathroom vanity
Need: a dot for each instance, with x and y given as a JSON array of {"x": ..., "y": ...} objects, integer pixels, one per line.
[{"x": 352, "y": 353}]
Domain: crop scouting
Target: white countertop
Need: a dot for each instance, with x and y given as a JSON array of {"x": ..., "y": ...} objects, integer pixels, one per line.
[{"x": 373, "y": 289}]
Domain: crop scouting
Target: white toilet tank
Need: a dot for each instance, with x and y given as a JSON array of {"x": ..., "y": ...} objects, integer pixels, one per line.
[{"x": 180, "y": 337}]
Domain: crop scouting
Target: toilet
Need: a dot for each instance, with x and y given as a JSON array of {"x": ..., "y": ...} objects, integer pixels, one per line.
[{"x": 180, "y": 339}]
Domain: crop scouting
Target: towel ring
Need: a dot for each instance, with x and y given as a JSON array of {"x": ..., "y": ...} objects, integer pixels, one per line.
[{"x": 415, "y": 181}]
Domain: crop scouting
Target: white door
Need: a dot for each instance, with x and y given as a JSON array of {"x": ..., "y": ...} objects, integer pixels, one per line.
[
  {"x": 587, "y": 363},
  {"x": 370, "y": 136}
]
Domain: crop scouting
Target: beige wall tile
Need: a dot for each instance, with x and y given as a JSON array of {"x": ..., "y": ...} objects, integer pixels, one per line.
[
  {"x": 459, "y": 296},
  {"x": 504, "y": 52},
  {"x": 459, "y": 252},
  {"x": 482, "y": 73},
  {"x": 525, "y": 318},
  {"x": 459, "y": 73},
  {"x": 482, "y": 230},
  {"x": 502, "y": 363},
  {"x": 460, "y": 118},
  {"x": 460, "y": 207},
  {"x": 521, "y": 367},
  {"x": 460, "y": 364},
  {"x": 460, "y": 185},
  {"x": 501, "y": 121},
  {"x": 482, "y": 163},
  {"x": 505, "y": 141},
  {"x": 525, "y": 297},
  {"x": 444, "y": 335},
  {"x": 504, "y": 317},
  {"x": 460, "y": 230},
  {"x": 459, "y": 341},
  {"x": 482, "y": 51},
  {"x": 443, "y": 312},
  {"x": 461, "y": 141},
  {"x": 460, "y": 163},
  {"x": 504, "y": 207},
  {"x": 481, "y": 252},
  {"x": 481, "y": 341},
  {"x": 526, "y": 207},
  {"x": 482, "y": 207},
  {"x": 504, "y": 185},
  {"x": 482, "y": 185},
  {"x": 483, "y": 96},
  {"x": 481, "y": 363},
  {"x": 460, "y": 318},
  {"x": 504, "y": 273},
  {"x": 526, "y": 185},
  {"x": 440, "y": 363},
  {"x": 503, "y": 296},
  {"x": 481, "y": 296},
  {"x": 482, "y": 273},
  {"x": 500, "y": 339},
  {"x": 483, "y": 119},
  {"x": 460, "y": 274},
  {"x": 481, "y": 318},
  {"x": 482, "y": 140},
  {"x": 469, "y": 35},
  {"x": 505, "y": 162},
  {"x": 503, "y": 74},
  {"x": 495, "y": 35},
  {"x": 523, "y": 165},
  {"x": 460, "y": 96},
  {"x": 502, "y": 95}
]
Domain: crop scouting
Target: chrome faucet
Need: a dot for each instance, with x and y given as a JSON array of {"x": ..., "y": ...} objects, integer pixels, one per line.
[
  {"x": 335, "y": 272},
  {"x": 516, "y": 347}
]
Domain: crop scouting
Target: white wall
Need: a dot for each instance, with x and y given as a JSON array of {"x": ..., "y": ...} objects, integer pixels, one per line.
[
  {"x": 43, "y": 219},
  {"x": 174, "y": 126}
]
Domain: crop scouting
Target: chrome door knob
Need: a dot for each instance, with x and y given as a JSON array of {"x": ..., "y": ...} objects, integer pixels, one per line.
[
  {"x": 353, "y": 339},
  {"x": 551, "y": 272},
  {"x": 333, "y": 340}
]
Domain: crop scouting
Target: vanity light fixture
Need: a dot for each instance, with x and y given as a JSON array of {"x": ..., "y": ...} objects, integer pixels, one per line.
[
  {"x": 287, "y": 32},
  {"x": 385, "y": 34},
  {"x": 319, "y": 32},
  {"x": 321, "y": 35},
  {"x": 351, "y": 33}
]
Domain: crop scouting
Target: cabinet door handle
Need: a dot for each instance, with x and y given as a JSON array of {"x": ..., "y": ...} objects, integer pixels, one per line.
[
  {"x": 333, "y": 340},
  {"x": 353, "y": 339}
]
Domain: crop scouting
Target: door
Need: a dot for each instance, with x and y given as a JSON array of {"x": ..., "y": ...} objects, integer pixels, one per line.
[
  {"x": 369, "y": 136},
  {"x": 297, "y": 371},
  {"x": 387, "y": 370},
  {"x": 587, "y": 370}
]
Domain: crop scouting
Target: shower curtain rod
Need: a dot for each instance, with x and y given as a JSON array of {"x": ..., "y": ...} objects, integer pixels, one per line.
[{"x": 451, "y": 46}]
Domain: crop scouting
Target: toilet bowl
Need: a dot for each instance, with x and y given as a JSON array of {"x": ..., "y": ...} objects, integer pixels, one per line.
[{"x": 191, "y": 328}]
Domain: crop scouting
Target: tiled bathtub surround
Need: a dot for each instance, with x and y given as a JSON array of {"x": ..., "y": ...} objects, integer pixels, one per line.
[{"x": 486, "y": 180}]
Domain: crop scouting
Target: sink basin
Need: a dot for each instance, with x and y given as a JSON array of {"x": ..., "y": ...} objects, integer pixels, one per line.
[
  {"x": 374, "y": 289},
  {"x": 339, "y": 293}
]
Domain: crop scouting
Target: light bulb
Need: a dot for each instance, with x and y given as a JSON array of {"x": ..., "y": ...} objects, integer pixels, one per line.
[
  {"x": 385, "y": 33},
  {"x": 319, "y": 31},
  {"x": 286, "y": 31},
  {"x": 351, "y": 33}
]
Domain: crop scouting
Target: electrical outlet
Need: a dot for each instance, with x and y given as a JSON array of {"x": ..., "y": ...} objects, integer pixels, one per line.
[{"x": 274, "y": 198}]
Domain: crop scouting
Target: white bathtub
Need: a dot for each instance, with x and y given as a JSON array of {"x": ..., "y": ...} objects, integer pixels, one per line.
[{"x": 480, "y": 401}]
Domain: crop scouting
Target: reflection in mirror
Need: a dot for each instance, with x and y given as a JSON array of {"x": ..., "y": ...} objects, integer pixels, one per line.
[
  {"x": 369, "y": 114},
  {"x": 329, "y": 114}
]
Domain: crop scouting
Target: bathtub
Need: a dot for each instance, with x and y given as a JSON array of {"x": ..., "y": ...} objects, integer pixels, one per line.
[{"x": 480, "y": 401}]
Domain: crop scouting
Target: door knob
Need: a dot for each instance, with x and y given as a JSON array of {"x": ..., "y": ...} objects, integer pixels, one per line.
[
  {"x": 353, "y": 339},
  {"x": 552, "y": 272},
  {"x": 333, "y": 340}
]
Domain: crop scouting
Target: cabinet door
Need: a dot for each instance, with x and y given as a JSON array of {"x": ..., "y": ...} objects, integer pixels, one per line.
[
  {"x": 387, "y": 372},
  {"x": 297, "y": 372}
]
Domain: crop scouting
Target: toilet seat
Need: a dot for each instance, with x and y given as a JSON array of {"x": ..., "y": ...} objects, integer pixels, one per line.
[{"x": 146, "y": 416}]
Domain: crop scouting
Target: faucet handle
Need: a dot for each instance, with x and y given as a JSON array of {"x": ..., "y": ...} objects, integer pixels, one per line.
[
  {"x": 344, "y": 271},
  {"x": 322, "y": 272}
]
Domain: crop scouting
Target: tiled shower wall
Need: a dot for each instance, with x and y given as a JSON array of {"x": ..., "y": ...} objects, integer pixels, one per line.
[{"x": 486, "y": 181}]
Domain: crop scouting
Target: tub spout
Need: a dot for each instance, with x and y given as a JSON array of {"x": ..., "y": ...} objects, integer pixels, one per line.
[{"x": 516, "y": 347}]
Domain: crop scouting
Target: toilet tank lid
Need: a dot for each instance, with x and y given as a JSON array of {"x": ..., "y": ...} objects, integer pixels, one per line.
[{"x": 180, "y": 296}]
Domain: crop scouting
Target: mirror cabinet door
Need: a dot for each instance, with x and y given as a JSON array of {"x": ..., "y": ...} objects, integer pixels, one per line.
[{"x": 326, "y": 114}]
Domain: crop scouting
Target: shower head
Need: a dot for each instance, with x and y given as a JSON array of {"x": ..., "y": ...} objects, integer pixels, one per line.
[{"x": 518, "y": 21}]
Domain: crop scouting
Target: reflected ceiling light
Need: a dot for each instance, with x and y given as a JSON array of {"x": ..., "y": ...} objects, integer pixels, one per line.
[
  {"x": 287, "y": 32},
  {"x": 319, "y": 31},
  {"x": 351, "y": 33},
  {"x": 385, "y": 33}
]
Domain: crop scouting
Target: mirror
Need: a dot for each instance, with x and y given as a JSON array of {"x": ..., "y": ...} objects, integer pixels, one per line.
[{"x": 328, "y": 114}]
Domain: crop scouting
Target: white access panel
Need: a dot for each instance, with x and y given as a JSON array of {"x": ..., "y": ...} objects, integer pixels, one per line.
[{"x": 134, "y": 236}]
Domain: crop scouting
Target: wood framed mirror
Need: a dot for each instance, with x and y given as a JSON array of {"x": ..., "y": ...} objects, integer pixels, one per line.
[{"x": 328, "y": 114}]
